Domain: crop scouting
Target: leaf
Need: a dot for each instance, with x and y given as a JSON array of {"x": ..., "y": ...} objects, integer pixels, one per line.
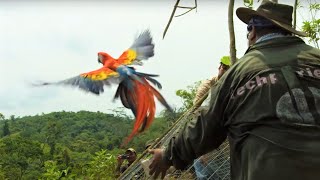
[
  {"x": 315, "y": 6},
  {"x": 248, "y": 3}
]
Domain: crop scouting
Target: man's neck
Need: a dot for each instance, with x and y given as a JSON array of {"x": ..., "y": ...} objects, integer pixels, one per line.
[{"x": 269, "y": 36}]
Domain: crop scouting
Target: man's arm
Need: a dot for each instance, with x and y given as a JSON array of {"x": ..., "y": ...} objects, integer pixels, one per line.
[
  {"x": 199, "y": 137},
  {"x": 202, "y": 90},
  {"x": 191, "y": 143},
  {"x": 204, "y": 133},
  {"x": 118, "y": 168}
]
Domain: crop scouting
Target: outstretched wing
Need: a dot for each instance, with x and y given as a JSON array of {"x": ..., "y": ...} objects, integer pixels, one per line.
[
  {"x": 141, "y": 49},
  {"x": 92, "y": 81}
]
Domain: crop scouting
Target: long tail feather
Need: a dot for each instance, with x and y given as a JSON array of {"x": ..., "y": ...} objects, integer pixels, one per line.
[
  {"x": 140, "y": 98},
  {"x": 161, "y": 98},
  {"x": 148, "y": 77},
  {"x": 141, "y": 111}
]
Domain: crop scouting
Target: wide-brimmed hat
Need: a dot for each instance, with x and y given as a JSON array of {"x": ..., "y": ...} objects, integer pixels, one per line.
[{"x": 279, "y": 14}]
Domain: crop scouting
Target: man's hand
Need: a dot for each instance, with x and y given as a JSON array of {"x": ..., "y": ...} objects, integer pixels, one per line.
[
  {"x": 119, "y": 159},
  {"x": 158, "y": 164},
  {"x": 204, "y": 159}
]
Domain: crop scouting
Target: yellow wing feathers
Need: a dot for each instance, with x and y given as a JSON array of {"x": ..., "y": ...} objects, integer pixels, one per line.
[
  {"x": 131, "y": 56},
  {"x": 127, "y": 57},
  {"x": 141, "y": 49},
  {"x": 100, "y": 74}
]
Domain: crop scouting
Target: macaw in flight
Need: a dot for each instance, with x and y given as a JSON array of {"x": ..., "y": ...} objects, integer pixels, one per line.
[{"x": 134, "y": 89}]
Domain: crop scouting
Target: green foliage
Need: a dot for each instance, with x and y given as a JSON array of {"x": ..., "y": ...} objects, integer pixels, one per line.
[
  {"x": 19, "y": 156},
  {"x": 12, "y": 118},
  {"x": 170, "y": 116},
  {"x": 1, "y": 116},
  {"x": 102, "y": 166},
  {"x": 188, "y": 95},
  {"x": 68, "y": 145},
  {"x": 312, "y": 26},
  {"x": 52, "y": 172},
  {"x": 6, "y": 130},
  {"x": 53, "y": 132},
  {"x": 120, "y": 112},
  {"x": 2, "y": 173},
  {"x": 248, "y": 3}
]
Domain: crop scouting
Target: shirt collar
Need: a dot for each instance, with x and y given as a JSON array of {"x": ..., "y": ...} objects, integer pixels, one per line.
[
  {"x": 269, "y": 36},
  {"x": 275, "y": 42}
]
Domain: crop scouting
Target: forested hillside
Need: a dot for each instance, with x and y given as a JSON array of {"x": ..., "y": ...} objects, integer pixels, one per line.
[{"x": 67, "y": 145}]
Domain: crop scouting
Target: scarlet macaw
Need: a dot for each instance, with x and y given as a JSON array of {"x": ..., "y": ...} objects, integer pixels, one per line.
[{"x": 134, "y": 89}]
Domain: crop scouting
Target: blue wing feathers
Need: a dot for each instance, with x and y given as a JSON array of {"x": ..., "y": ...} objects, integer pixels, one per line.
[{"x": 143, "y": 45}]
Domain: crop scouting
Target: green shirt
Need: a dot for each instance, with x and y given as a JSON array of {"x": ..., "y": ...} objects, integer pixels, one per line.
[{"x": 268, "y": 105}]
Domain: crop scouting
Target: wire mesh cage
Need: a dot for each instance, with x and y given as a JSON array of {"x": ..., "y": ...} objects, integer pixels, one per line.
[{"x": 213, "y": 166}]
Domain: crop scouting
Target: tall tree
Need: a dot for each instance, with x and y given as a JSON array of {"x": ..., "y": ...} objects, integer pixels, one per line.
[
  {"x": 53, "y": 132},
  {"x": 6, "y": 131},
  {"x": 12, "y": 118},
  {"x": 1, "y": 116}
]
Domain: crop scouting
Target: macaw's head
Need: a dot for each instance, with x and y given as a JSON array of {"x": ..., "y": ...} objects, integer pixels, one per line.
[{"x": 103, "y": 57}]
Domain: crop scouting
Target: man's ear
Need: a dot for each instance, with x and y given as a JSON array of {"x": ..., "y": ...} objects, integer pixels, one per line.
[{"x": 252, "y": 36}]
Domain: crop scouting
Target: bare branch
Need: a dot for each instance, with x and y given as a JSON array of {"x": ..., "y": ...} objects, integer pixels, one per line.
[
  {"x": 185, "y": 7},
  {"x": 173, "y": 12},
  {"x": 195, "y": 4},
  {"x": 169, "y": 22},
  {"x": 185, "y": 12}
]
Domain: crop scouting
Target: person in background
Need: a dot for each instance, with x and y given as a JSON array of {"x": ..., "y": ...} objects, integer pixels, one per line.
[
  {"x": 130, "y": 156},
  {"x": 202, "y": 94},
  {"x": 204, "y": 167},
  {"x": 267, "y": 105}
]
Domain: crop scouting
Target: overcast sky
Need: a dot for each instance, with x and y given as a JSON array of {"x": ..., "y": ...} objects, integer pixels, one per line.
[{"x": 55, "y": 40}]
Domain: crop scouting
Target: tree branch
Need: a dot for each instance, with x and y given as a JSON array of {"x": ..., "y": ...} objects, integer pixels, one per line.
[
  {"x": 173, "y": 12},
  {"x": 169, "y": 22},
  {"x": 185, "y": 12},
  {"x": 185, "y": 7}
]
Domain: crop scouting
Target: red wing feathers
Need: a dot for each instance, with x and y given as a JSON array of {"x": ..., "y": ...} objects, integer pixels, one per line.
[{"x": 145, "y": 107}]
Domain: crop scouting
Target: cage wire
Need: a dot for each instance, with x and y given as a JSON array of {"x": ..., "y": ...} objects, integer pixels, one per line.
[{"x": 214, "y": 165}]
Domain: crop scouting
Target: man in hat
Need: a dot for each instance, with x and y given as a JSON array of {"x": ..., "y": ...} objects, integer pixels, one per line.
[
  {"x": 204, "y": 166},
  {"x": 267, "y": 104},
  {"x": 130, "y": 155},
  {"x": 202, "y": 91}
]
